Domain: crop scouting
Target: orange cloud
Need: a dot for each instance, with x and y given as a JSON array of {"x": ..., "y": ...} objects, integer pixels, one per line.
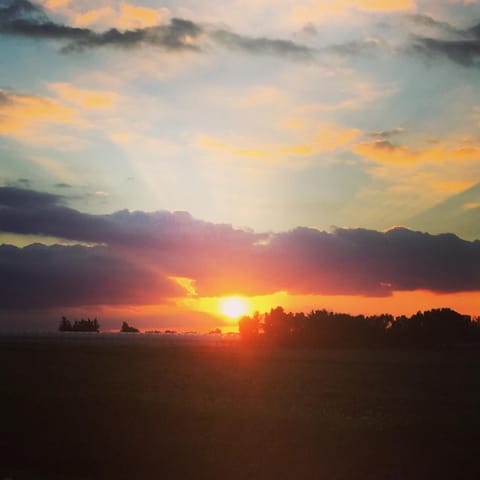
[
  {"x": 127, "y": 17},
  {"x": 90, "y": 99},
  {"x": 93, "y": 16},
  {"x": 328, "y": 137},
  {"x": 363, "y": 94},
  {"x": 55, "y": 4},
  {"x": 21, "y": 112},
  {"x": 382, "y": 151},
  {"x": 383, "y": 5},
  {"x": 451, "y": 186},
  {"x": 131, "y": 17},
  {"x": 321, "y": 10}
]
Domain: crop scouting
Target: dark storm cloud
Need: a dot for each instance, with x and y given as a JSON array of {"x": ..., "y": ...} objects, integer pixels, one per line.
[
  {"x": 40, "y": 276},
  {"x": 463, "y": 49},
  {"x": 18, "y": 10},
  {"x": 262, "y": 45},
  {"x": 13, "y": 198},
  {"x": 175, "y": 36},
  {"x": 25, "y": 19},
  {"x": 463, "y": 52},
  {"x": 359, "y": 261},
  {"x": 220, "y": 259},
  {"x": 30, "y": 212},
  {"x": 431, "y": 23},
  {"x": 28, "y": 20}
]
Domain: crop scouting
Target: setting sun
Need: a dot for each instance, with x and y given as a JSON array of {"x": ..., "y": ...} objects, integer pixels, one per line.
[{"x": 234, "y": 307}]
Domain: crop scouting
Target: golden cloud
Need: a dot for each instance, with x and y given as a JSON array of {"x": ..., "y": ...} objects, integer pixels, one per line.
[
  {"x": 321, "y": 10},
  {"x": 22, "y": 112},
  {"x": 126, "y": 17},
  {"x": 382, "y": 151},
  {"x": 85, "y": 98},
  {"x": 55, "y": 4},
  {"x": 328, "y": 137}
]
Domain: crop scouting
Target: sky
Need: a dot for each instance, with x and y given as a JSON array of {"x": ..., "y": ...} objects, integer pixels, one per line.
[{"x": 156, "y": 157}]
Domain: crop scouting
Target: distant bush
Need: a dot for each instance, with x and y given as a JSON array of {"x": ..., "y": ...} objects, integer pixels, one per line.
[
  {"x": 126, "y": 328},
  {"x": 217, "y": 331},
  {"x": 79, "y": 325}
]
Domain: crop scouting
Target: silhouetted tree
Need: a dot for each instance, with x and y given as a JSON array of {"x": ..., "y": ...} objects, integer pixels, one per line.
[
  {"x": 79, "y": 325},
  {"x": 65, "y": 325},
  {"x": 217, "y": 331},
  {"x": 126, "y": 328},
  {"x": 249, "y": 327},
  {"x": 321, "y": 328}
]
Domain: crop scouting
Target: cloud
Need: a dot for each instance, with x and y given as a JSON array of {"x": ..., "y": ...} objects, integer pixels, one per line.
[
  {"x": 84, "y": 98},
  {"x": 55, "y": 4},
  {"x": 364, "y": 94},
  {"x": 383, "y": 5},
  {"x": 262, "y": 45},
  {"x": 22, "y": 18},
  {"x": 62, "y": 276},
  {"x": 386, "y": 134},
  {"x": 28, "y": 211},
  {"x": 126, "y": 17},
  {"x": 140, "y": 250},
  {"x": 40, "y": 121},
  {"x": 138, "y": 26},
  {"x": 25, "y": 19},
  {"x": 326, "y": 137},
  {"x": 425, "y": 21},
  {"x": 18, "y": 198},
  {"x": 463, "y": 49},
  {"x": 20, "y": 112},
  {"x": 324, "y": 10},
  {"x": 359, "y": 261},
  {"x": 383, "y": 151}
]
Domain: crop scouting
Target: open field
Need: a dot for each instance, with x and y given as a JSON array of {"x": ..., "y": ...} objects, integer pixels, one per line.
[{"x": 143, "y": 411}]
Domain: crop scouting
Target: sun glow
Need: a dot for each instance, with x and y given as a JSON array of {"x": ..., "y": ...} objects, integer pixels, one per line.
[{"x": 234, "y": 307}]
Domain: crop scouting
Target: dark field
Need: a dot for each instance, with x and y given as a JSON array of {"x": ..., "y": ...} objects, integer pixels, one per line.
[{"x": 91, "y": 411}]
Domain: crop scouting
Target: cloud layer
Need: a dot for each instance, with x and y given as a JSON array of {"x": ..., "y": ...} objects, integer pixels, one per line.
[
  {"x": 25, "y": 19},
  {"x": 463, "y": 47},
  {"x": 22, "y": 18},
  {"x": 137, "y": 253}
]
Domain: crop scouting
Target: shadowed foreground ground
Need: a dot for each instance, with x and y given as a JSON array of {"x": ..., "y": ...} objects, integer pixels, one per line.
[{"x": 80, "y": 411}]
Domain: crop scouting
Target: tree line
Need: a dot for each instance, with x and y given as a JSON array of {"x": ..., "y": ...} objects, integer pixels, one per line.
[
  {"x": 79, "y": 325},
  {"x": 321, "y": 328},
  {"x": 89, "y": 326}
]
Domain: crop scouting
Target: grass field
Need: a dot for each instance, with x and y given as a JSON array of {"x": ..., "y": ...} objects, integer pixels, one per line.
[{"x": 81, "y": 411}]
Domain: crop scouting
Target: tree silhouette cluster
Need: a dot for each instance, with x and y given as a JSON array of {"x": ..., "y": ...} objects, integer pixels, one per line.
[
  {"x": 79, "y": 325},
  {"x": 126, "y": 328},
  {"x": 321, "y": 328}
]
